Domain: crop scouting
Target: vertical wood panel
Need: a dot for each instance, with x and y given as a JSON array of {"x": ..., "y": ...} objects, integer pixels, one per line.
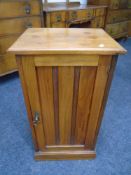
[
  {"x": 98, "y": 94},
  {"x": 32, "y": 88},
  {"x": 46, "y": 97},
  {"x": 74, "y": 103},
  {"x": 27, "y": 102},
  {"x": 66, "y": 80},
  {"x": 113, "y": 65},
  {"x": 56, "y": 102},
  {"x": 87, "y": 78}
]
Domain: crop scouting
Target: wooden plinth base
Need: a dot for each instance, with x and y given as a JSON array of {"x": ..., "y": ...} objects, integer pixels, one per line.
[{"x": 65, "y": 155}]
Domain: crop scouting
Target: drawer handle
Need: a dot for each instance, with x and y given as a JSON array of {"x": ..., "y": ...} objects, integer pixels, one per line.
[
  {"x": 74, "y": 15},
  {"x": 36, "y": 119},
  {"x": 58, "y": 18},
  {"x": 27, "y": 9},
  {"x": 29, "y": 25}
]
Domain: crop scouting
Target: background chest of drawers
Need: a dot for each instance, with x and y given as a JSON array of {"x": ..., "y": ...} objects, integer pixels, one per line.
[
  {"x": 68, "y": 16},
  {"x": 15, "y": 17},
  {"x": 118, "y": 20}
]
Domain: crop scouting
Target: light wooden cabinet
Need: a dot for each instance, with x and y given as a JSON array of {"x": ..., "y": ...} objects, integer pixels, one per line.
[
  {"x": 15, "y": 17},
  {"x": 65, "y": 83}
]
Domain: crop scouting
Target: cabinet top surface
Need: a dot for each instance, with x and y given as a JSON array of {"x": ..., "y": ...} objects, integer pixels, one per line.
[
  {"x": 66, "y": 41},
  {"x": 60, "y": 7}
]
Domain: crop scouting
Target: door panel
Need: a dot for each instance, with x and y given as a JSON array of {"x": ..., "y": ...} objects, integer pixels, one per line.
[
  {"x": 44, "y": 76},
  {"x": 64, "y": 93},
  {"x": 65, "y": 83},
  {"x": 32, "y": 88},
  {"x": 87, "y": 77}
]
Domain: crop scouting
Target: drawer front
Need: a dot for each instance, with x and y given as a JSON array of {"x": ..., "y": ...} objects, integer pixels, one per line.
[
  {"x": 73, "y": 15},
  {"x": 58, "y": 25},
  {"x": 114, "y": 4},
  {"x": 129, "y": 3},
  {"x": 18, "y": 25},
  {"x": 117, "y": 29},
  {"x": 80, "y": 14},
  {"x": 85, "y": 14},
  {"x": 129, "y": 28},
  {"x": 19, "y": 8},
  {"x": 58, "y": 17},
  {"x": 123, "y": 27},
  {"x": 117, "y": 16},
  {"x": 98, "y": 22},
  {"x": 7, "y": 63},
  {"x": 129, "y": 14},
  {"x": 123, "y": 4},
  {"x": 6, "y": 42},
  {"x": 100, "y": 12},
  {"x": 112, "y": 29}
]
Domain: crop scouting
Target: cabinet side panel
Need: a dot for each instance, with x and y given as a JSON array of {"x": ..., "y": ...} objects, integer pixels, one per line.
[
  {"x": 26, "y": 98},
  {"x": 87, "y": 78},
  {"x": 65, "y": 86},
  {"x": 32, "y": 88},
  {"x": 44, "y": 75},
  {"x": 97, "y": 99},
  {"x": 113, "y": 65}
]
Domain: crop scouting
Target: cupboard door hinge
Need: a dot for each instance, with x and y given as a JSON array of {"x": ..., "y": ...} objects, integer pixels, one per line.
[
  {"x": 36, "y": 118},
  {"x": 108, "y": 69}
]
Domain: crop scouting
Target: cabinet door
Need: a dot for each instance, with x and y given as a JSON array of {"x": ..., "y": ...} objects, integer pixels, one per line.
[{"x": 65, "y": 94}]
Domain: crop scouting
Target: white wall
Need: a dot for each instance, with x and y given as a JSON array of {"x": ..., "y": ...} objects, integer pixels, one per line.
[{"x": 81, "y": 1}]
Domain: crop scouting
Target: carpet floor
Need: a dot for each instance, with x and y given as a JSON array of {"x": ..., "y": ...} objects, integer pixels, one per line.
[{"x": 114, "y": 141}]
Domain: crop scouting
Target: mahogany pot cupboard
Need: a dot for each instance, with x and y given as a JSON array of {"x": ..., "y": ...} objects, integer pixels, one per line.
[{"x": 66, "y": 76}]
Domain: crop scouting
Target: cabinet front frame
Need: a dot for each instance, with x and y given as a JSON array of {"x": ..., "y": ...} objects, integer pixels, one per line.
[{"x": 105, "y": 68}]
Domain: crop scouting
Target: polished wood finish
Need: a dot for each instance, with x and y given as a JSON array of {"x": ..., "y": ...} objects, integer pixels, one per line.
[
  {"x": 62, "y": 15},
  {"x": 15, "y": 17},
  {"x": 69, "y": 97},
  {"x": 19, "y": 8},
  {"x": 21, "y": 24},
  {"x": 45, "y": 85},
  {"x": 118, "y": 17},
  {"x": 62, "y": 41},
  {"x": 67, "y": 60}
]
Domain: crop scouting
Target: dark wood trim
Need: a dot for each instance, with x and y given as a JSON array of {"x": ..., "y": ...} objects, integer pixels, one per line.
[
  {"x": 65, "y": 147},
  {"x": 56, "y": 102},
  {"x": 74, "y": 103}
]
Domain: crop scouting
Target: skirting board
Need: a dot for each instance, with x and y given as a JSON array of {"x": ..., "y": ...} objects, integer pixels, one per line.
[{"x": 65, "y": 155}]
